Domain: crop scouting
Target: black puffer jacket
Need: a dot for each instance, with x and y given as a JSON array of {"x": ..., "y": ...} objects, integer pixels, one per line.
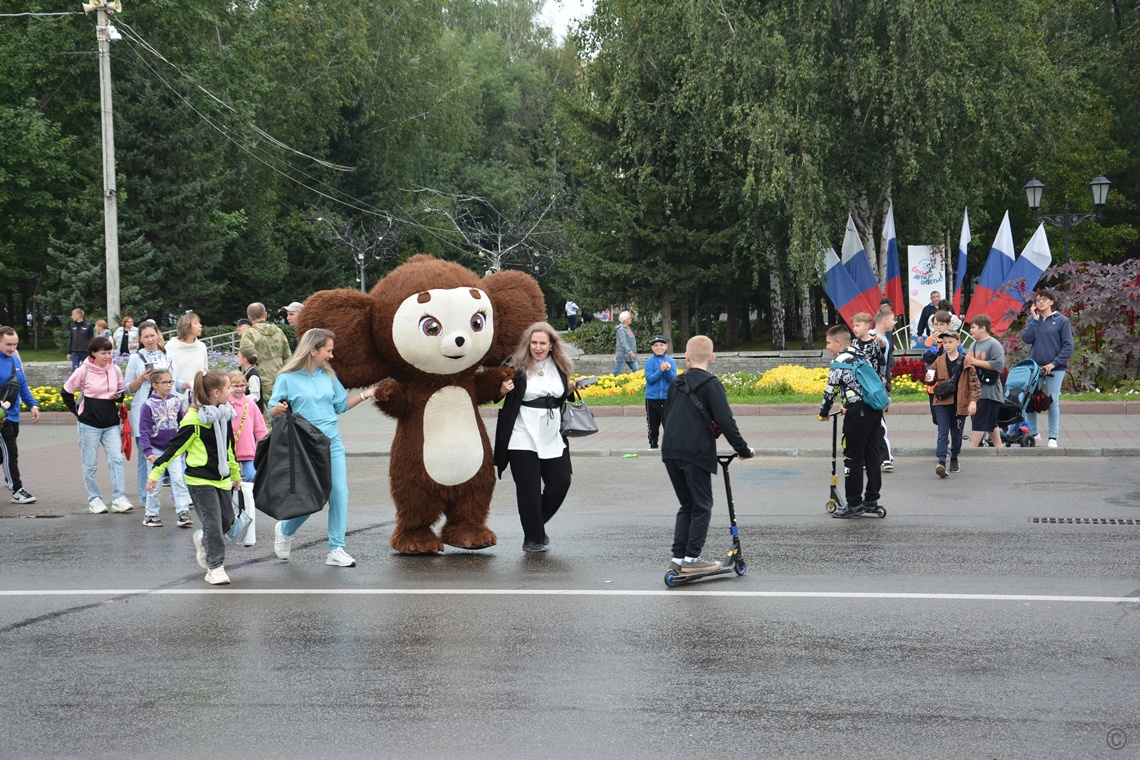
[{"x": 687, "y": 435}]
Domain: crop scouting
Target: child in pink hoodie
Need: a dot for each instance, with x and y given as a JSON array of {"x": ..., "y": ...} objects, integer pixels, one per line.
[{"x": 248, "y": 424}]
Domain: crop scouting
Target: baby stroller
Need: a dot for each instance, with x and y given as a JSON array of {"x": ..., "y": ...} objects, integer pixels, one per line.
[{"x": 1023, "y": 393}]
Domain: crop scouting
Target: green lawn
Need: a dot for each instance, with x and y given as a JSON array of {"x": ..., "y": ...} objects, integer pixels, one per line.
[{"x": 43, "y": 355}]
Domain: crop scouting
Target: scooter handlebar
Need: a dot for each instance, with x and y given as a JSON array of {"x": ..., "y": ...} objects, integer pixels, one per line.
[{"x": 726, "y": 458}]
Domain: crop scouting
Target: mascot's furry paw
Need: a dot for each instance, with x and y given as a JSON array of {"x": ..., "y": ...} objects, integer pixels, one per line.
[
  {"x": 468, "y": 536},
  {"x": 416, "y": 541},
  {"x": 385, "y": 389}
]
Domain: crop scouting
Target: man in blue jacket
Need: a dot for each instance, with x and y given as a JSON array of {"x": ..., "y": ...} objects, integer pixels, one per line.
[
  {"x": 659, "y": 373},
  {"x": 13, "y": 390}
]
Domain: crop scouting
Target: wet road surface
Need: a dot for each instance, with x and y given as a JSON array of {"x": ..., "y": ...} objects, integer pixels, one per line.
[{"x": 111, "y": 645}]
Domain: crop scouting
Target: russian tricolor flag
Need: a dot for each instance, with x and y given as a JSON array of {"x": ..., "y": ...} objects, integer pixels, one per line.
[
  {"x": 1034, "y": 260},
  {"x": 960, "y": 265},
  {"x": 994, "y": 274},
  {"x": 840, "y": 288},
  {"x": 858, "y": 265},
  {"x": 894, "y": 274}
]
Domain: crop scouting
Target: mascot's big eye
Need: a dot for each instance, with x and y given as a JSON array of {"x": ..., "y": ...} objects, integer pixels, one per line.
[
  {"x": 430, "y": 327},
  {"x": 478, "y": 321}
]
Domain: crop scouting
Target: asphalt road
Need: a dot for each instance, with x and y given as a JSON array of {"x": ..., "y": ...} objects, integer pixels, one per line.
[{"x": 956, "y": 627}]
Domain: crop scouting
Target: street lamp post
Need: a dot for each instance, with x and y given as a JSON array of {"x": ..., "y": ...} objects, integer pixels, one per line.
[{"x": 1067, "y": 219}]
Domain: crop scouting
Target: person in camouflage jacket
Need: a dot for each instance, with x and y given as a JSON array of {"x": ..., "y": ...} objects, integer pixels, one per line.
[{"x": 271, "y": 345}]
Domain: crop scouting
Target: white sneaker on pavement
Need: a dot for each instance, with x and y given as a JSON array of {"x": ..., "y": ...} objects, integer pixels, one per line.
[
  {"x": 199, "y": 550},
  {"x": 121, "y": 504},
  {"x": 22, "y": 497},
  {"x": 97, "y": 506},
  {"x": 217, "y": 576},
  {"x": 338, "y": 557},
  {"x": 282, "y": 544},
  {"x": 1052, "y": 443}
]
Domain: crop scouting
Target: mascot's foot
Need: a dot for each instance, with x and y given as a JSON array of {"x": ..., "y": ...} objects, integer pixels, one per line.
[
  {"x": 416, "y": 541},
  {"x": 467, "y": 536}
]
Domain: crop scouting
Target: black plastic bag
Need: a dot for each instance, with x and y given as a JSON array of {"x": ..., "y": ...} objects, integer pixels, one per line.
[{"x": 294, "y": 469}]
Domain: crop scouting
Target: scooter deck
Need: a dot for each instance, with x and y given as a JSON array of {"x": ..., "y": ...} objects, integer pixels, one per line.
[{"x": 677, "y": 578}]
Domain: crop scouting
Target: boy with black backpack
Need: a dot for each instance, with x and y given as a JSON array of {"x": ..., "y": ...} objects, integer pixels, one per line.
[
  {"x": 696, "y": 414},
  {"x": 861, "y": 394}
]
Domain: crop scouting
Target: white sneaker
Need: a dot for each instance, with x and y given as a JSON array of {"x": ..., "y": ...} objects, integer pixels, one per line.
[
  {"x": 1037, "y": 438},
  {"x": 97, "y": 506},
  {"x": 282, "y": 544},
  {"x": 1052, "y": 443},
  {"x": 199, "y": 550},
  {"x": 22, "y": 497},
  {"x": 217, "y": 576},
  {"x": 338, "y": 557},
  {"x": 121, "y": 504}
]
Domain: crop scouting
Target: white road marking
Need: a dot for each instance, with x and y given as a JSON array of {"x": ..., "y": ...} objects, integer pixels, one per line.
[{"x": 570, "y": 592}]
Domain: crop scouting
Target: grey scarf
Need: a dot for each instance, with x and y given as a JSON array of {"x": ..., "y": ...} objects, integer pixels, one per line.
[{"x": 219, "y": 414}]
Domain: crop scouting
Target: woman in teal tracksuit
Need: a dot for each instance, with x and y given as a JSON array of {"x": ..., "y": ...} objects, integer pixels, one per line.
[{"x": 308, "y": 386}]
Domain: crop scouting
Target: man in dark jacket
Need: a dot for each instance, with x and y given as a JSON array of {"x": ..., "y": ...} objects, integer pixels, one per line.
[
  {"x": 81, "y": 335},
  {"x": 696, "y": 408},
  {"x": 923, "y": 327}
]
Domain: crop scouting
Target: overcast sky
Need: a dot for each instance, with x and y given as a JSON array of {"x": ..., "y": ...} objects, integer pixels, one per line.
[{"x": 559, "y": 14}]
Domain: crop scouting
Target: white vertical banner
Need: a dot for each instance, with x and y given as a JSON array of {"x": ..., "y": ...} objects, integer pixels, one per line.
[{"x": 926, "y": 272}]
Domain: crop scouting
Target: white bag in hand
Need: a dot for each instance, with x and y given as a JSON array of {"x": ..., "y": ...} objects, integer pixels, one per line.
[{"x": 244, "y": 530}]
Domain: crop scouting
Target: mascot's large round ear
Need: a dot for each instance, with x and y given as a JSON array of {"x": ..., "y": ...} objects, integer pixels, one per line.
[
  {"x": 348, "y": 313},
  {"x": 518, "y": 305}
]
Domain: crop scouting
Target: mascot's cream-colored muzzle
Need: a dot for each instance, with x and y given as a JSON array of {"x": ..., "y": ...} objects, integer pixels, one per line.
[{"x": 444, "y": 331}]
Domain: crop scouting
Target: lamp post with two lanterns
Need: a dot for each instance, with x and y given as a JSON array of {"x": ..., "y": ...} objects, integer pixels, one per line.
[{"x": 1067, "y": 219}]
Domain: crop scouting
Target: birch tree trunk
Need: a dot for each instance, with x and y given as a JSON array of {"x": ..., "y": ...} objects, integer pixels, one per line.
[
  {"x": 807, "y": 339},
  {"x": 776, "y": 304}
]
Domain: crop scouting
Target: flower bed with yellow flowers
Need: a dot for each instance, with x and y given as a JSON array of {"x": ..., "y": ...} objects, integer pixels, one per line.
[
  {"x": 47, "y": 396},
  {"x": 786, "y": 383}
]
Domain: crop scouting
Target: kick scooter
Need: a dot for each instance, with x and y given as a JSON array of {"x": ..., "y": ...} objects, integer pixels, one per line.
[
  {"x": 834, "y": 501},
  {"x": 734, "y": 560}
]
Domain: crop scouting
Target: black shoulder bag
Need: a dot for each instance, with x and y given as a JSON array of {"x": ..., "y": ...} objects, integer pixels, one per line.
[
  {"x": 10, "y": 391},
  {"x": 715, "y": 428},
  {"x": 949, "y": 387}
]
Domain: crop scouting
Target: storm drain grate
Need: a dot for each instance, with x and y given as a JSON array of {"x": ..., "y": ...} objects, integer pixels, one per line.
[{"x": 1083, "y": 521}]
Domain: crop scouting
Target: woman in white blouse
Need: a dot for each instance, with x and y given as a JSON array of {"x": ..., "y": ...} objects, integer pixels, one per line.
[
  {"x": 528, "y": 436},
  {"x": 189, "y": 353}
]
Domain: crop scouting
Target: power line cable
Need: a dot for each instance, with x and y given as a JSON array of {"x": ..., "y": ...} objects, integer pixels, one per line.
[
  {"x": 221, "y": 129},
  {"x": 62, "y": 13},
  {"x": 327, "y": 164}
]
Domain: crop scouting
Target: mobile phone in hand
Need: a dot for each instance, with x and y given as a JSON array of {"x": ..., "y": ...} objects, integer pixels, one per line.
[{"x": 585, "y": 382}]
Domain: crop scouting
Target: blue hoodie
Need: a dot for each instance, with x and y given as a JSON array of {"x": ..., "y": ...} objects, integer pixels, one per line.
[
  {"x": 25, "y": 392},
  {"x": 657, "y": 380},
  {"x": 1051, "y": 339}
]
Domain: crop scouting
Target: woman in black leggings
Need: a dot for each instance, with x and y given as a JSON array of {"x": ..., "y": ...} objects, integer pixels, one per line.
[{"x": 528, "y": 436}]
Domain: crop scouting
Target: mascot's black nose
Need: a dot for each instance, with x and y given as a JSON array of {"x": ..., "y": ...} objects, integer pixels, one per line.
[{"x": 459, "y": 340}]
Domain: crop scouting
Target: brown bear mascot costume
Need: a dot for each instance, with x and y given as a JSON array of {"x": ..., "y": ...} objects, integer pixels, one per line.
[{"x": 434, "y": 336}]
